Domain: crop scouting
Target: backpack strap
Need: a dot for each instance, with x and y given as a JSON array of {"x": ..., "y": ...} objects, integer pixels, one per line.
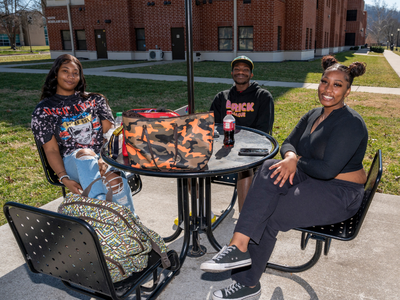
[
  {"x": 164, "y": 257},
  {"x": 109, "y": 195}
]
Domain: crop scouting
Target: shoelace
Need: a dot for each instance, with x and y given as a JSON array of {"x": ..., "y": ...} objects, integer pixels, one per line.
[
  {"x": 234, "y": 287},
  {"x": 224, "y": 251}
]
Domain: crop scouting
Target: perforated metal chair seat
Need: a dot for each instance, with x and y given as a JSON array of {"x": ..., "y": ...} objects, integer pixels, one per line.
[{"x": 68, "y": 248}]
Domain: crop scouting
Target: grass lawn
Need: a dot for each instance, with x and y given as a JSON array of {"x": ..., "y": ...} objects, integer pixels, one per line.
[
  {"x": 86, "y": 64},
  {"x": 21, "y": 175},
  {"x": 379, "y": 73},
  {"x": 6, "y": 50},
  {"x": 25, "y": 59}
]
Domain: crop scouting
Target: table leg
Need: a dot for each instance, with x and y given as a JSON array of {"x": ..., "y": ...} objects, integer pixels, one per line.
[
  {"x": 183, "y": 191},
  {"x": 209, "y": 230},
  {"x": 196, "y": 250}
]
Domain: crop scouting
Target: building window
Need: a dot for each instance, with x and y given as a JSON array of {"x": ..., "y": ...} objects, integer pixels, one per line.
[
  {"x": 279, "y": 37},
  {"x": 66, "y": 40},
  {"x": 4, "y": 41},
  {"x": 81, "y": 40},
  {"x": 309, "y": 45},
  {"x": 351, "y": 15},
  {"x": 225, "y": 38},
  {"x": 46, "y": 35},
  {"x": 246, "y": 38},
  {"x": 140, "y": 39},
  {"x": 307, "y": 38}
]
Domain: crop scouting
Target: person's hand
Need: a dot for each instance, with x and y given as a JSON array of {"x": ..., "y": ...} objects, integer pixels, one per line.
[
  {"x": 73, "y": 186},
  {"x": 285, "y": 169},
  {"x": 102, "y": 166}
]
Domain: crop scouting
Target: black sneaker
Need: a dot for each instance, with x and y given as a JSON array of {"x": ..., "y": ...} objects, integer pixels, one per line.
[
  {"x": 238, "y": 291},
  {"x": 228, "y": 258}
]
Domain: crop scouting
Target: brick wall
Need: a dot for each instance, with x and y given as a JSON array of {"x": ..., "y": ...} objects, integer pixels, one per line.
[
  {"x": 356, "y": 26},
  {"x": 300, "y": 20}
]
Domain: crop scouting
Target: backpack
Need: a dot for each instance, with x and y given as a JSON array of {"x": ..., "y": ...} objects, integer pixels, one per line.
[{"x": 124, "y": 239}]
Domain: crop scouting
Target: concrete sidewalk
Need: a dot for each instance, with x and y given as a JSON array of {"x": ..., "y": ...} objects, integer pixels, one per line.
[{"x": 365, "y": 268}]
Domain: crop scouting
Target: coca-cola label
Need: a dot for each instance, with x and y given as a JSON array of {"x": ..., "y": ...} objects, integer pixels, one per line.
[{"x": 229, "y": 126}]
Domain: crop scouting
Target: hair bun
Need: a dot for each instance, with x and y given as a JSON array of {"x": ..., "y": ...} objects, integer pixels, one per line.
[
  {"x": 357, "y": 68},
  {"x": 328, "y": 61}
]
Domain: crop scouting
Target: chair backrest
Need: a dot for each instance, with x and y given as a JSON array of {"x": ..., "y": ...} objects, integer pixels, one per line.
[
  {"x": 60, "y": 246},
  {"x": 348, "y": 229},
  {"x": 373, "y": 179},
  {"x": 51, "y": 176}
]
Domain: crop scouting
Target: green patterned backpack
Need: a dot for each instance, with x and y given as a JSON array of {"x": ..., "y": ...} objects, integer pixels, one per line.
[{"x": 124, "y": 239}]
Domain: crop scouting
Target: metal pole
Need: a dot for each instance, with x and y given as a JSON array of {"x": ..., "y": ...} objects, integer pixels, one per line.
[
  {"x": 189, "y": 55},
  {"x": 235, "y": 28},
  {"x": 70, "y": 26}
]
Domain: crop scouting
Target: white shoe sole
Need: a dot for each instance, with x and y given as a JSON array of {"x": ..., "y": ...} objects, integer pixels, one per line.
[{"x": 212, "y": 267}]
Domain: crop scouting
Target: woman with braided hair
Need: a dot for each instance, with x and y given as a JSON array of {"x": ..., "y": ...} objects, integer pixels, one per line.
[{"x": 319, "y": 181}]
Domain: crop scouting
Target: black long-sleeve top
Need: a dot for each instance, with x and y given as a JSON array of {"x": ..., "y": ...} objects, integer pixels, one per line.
[{"x": 337, "y": 145}]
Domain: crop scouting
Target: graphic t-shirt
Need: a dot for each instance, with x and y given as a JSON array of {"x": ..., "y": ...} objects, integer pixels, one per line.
[{"x": 73, "y": 120}]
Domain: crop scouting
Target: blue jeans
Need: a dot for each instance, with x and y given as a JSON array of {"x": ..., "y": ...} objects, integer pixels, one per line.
[{"x": 86, "y": 169}]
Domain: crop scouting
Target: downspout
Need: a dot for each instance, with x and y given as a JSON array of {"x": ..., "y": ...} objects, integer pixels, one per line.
[{"x": 70, "y": 26}]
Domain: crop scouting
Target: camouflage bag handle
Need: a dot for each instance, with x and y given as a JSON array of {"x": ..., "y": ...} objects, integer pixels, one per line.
[{"x": 181, "y": 143}]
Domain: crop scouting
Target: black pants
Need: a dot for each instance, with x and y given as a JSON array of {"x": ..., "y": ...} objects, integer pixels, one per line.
[{"x": 269, "y": 209}]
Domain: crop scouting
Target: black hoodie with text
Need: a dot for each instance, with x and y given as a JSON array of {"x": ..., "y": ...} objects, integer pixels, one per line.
[{"x": 253, "y": 107}]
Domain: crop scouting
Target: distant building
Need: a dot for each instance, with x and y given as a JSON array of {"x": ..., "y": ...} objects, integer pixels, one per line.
[
  {"x": 264, "y": 30},
  {"x": 33, "y": 33}
]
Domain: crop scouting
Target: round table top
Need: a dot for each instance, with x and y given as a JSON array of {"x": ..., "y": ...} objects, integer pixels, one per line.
[{"x": 224, "y": 160}]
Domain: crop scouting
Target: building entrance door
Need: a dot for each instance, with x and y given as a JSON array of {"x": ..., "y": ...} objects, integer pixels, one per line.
[
  {"x": 178, "y": 43},
  {"x": 101, "y": 45}
]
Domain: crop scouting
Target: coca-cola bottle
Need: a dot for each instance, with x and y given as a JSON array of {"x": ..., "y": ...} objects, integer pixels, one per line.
[{"x": 229, "y": 129}]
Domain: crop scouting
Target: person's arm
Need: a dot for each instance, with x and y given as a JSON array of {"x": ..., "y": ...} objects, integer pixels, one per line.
[
  {"x": 216, "y": 108},
  {"x": 107, "y": 125},
  {"x": 290, "y": 143},
  {"x": 56, "y": 163},
  {"x": 265, "y": 116},
  {"x": 285, "y": 169}
]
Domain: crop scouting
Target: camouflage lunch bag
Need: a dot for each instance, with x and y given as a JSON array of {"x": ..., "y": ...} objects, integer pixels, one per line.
[
  {"x": 182, "y": 143},
  {"x": 124, "y": 239}
]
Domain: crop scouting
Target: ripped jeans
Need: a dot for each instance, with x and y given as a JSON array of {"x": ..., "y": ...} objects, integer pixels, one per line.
[{"x": 85, "y": 169}]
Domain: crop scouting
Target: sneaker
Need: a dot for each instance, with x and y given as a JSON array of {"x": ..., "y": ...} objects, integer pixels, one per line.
[
  {"x": 238, "y": 291},
  {"x": 230, "y": 257}
]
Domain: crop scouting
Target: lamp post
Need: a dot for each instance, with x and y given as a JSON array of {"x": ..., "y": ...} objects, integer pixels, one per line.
[{"x": 397, "y": 44}]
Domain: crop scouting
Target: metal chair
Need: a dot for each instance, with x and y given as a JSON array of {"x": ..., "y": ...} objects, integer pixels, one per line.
[
  {"x": 68, "y": 248},
  {"x": 344, "y": 231},
  {"x": 134, "y": 180}
]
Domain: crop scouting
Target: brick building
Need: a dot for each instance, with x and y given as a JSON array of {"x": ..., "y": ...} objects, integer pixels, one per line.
[{"x": 264, "y": 30}]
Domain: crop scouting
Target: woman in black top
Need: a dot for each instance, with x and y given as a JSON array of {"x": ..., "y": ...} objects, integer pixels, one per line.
[{"x": 319, "y": 181}]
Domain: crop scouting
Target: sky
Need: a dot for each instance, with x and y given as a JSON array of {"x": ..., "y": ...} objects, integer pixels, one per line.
[{"x": 388, "y": 2}]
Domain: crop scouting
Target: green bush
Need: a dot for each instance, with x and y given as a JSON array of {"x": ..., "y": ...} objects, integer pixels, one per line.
[{"x": 377, "y": 49}]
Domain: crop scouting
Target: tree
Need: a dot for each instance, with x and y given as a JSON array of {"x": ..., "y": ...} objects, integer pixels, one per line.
[
  {"x": 383, "y": 21},
  {"x": 14, "y": 13}
]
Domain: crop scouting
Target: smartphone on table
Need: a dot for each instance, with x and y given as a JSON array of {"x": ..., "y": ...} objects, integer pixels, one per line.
[{"x": 253, "y": 151}]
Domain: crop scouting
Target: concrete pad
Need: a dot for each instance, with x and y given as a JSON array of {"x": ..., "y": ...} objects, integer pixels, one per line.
[{"x": 364, "y": 268}]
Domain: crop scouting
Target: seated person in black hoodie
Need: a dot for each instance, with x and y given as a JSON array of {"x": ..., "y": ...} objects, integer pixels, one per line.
[{"x": 251, "y": 106}]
